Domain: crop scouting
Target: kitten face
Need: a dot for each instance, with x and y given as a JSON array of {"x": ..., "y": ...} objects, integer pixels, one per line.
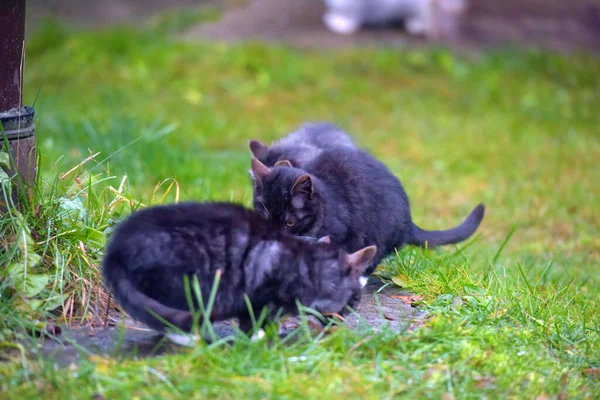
[
  {"x": 342, "y": 281},
  {"x": 287, "y": 198}
]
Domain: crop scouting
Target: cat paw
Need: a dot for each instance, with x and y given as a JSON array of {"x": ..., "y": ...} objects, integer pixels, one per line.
[
  {"x": 183, "y": 340},
  {"x": 340, "y": 24}
]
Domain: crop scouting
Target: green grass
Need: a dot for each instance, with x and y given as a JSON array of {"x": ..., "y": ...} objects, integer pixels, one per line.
[{"x": 518, "y": 131}]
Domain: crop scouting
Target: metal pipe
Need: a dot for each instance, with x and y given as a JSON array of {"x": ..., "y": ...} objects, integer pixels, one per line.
[{"x": 17, "y": 121}]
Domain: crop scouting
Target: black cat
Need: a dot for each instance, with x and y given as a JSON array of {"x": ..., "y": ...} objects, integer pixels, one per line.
[
  {"x": 302, "y": 145},
  {"x": 349, "y": 195},
  {"x": 151, "y": 251}
]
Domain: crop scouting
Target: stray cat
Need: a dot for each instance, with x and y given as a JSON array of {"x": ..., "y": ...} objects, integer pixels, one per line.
[
  {"x": 152, "y": 250},
  {"x": 422, "y": 17},
  {"x": 350, "y": 196},
  {"x": 302, "y": 145}
]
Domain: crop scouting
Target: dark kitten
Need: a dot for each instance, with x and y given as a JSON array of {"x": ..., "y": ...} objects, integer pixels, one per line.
[
  {"x": 350, "y": 196},
  {"x": 303, "y": 145},
  {"x": 152, "y": 250}
]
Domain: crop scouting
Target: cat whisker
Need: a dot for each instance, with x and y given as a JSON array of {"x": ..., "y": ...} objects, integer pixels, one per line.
[{"x": 266, "y": 209}]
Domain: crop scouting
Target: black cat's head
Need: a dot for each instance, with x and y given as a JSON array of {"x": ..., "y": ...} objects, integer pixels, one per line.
[
  {"x": 258, "y": 149},
  {"x": 287, "y": 197},
  {"x": 270, "y": 156},
  {"x": 341, "y": 278}
]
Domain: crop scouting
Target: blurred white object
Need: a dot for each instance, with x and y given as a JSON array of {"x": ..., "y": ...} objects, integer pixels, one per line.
[
  {"x": 430, "y": 18},
  {"x": 182, "y": 339}
]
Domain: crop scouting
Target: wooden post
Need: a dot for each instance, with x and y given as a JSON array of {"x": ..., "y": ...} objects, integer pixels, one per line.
[{"x": 17, "y": 121}]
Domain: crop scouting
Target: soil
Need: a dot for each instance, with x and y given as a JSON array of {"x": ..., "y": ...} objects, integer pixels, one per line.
[{"x": 559, "y": 25}]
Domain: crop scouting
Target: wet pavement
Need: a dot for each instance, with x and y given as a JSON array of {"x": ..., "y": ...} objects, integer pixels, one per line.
[{"x": 381, "y": 307}]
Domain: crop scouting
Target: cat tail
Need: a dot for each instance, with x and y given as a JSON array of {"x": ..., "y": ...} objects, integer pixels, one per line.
[
  {"x": 421, "y": 237},
  {"x": 138, "y": 305}
]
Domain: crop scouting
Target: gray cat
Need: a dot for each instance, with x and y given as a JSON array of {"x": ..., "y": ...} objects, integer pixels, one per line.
[
  {"x": 302, "y": 145},
  {"x": 352, "y": 197},
  {"x": 431, "y": 18},
  {"x": 151, "y": 251}
]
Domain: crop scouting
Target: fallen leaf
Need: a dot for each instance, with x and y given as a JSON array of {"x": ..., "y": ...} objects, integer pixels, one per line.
[
  {"x": 593, "y": 372},
  {"x": 408, "y": 299},
  {"x": 336, "y": 315}
]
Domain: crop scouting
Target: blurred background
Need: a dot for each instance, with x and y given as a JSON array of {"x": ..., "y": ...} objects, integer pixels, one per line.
[{"x": 556, "y": 24}]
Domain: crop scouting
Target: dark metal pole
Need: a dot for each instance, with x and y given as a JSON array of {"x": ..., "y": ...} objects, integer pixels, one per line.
[
  {"x": 17, "y": 120},
  {"x": 12, "y": 34}
]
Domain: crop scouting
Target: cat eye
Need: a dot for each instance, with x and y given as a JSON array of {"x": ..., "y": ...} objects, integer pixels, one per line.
[{"x": 290, "y": 223}]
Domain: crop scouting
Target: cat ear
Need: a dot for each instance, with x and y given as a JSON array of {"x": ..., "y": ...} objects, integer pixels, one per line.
[
  {"x": 325, "y": 239},
  {"x": 303, "y": 185},
  {"x": 259, "y": 171},
  {"x": 284, "y": 163},
  {"x": 258, "y": 148},
  {"x": 358, "y": 262}
]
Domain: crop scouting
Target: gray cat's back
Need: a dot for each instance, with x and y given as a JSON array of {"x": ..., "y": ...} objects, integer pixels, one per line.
[
  {"x": 322, "y": 135},
  {"x": 307, "y": 142}
]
